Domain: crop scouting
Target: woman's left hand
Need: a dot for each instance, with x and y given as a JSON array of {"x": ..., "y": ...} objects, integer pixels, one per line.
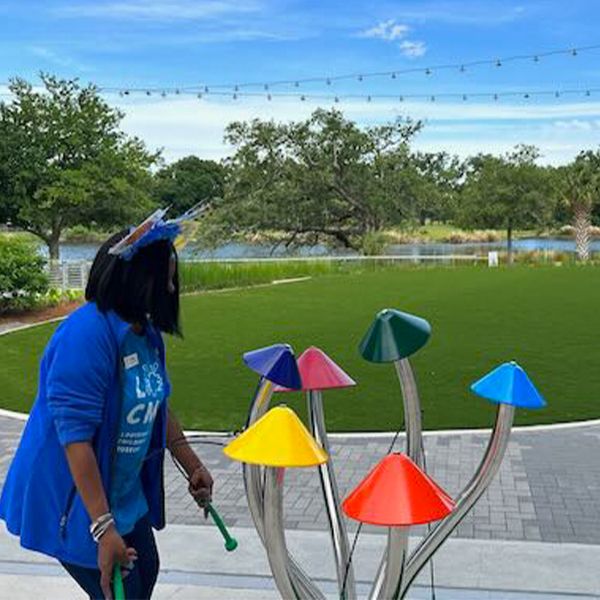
[{"x": 201, "y": 485}]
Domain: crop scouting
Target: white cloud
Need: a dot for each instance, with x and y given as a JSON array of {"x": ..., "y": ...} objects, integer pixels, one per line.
[
  {"x": 386, "y": 30},
  {"x": 190, "y": 126},
  {"x": 413, "y": 49},
  {"x": 53, "y": 57},
  {"x": 158, "y": 10}
]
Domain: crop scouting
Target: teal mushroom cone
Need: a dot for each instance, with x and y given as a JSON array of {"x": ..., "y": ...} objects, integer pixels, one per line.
[{"x": 394, "y": 335}]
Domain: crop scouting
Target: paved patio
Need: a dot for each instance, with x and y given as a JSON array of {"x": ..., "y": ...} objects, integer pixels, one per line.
[{"x": 548, "y": 488}]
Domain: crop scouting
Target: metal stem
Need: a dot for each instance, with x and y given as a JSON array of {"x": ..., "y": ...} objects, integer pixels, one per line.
[
  {"x": 337, "y": 525},
  {"x": 397, "y": 548},
  {"x": 484, "y": 475},
  {"x": 412, "y": 411},
  {"x": 274, "y": 533},
  {"x": 253, "y": 483},
  {"x": 389, "y": 575}
]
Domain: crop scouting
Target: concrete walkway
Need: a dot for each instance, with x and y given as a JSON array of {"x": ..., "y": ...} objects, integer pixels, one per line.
[
  {"x": 546, "y": 492},
  {"x": 196, "y": 566}
]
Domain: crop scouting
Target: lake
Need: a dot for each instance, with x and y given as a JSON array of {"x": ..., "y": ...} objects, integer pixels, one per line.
[{"x": 71, "y": 251}]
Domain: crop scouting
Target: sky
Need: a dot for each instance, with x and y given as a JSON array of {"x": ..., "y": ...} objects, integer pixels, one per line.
[{"x": 169, "y": 44}]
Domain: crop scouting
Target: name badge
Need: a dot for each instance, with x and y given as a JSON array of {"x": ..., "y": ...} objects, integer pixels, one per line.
[{"x": 131, "y": 360}]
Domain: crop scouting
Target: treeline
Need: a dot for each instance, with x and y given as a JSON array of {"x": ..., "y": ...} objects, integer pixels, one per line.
[{"x": 65, "y": 161}]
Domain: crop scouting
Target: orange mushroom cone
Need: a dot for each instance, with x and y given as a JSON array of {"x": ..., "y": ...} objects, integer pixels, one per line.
[
  {"x": 397, "y": 493},
  {"x": 277, "y": 439}
]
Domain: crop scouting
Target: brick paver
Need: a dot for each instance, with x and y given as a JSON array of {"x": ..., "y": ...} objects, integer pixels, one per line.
[{"x": 548, "y": 488}]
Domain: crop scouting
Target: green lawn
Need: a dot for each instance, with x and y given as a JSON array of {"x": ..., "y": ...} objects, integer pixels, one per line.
[{"x": 547, "y": 318}]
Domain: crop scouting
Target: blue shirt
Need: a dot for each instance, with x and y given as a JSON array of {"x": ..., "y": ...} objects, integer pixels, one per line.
[
  {"x": 78, "y": 400},
  {"x": 142, "y": 392}
]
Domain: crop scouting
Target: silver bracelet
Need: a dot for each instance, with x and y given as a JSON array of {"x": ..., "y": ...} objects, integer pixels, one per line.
[
  {"x": 100, "y": 526},
  {"x": 102, "y": 529}
]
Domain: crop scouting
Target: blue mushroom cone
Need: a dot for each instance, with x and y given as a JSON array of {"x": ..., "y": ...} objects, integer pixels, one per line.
[
  {"x": 509, "y": 384},
  {"x": 276, "y": 363}
]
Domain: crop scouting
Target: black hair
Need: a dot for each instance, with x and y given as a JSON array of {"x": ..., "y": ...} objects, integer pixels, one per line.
[{"x": 137, "y": 289}]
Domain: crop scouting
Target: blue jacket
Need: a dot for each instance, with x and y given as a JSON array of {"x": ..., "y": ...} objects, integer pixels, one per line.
[{"x": 78, "y": 400}]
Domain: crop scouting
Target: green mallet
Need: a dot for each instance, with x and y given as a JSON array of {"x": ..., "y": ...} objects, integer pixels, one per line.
[
  {"x": 230, "y": 542},
  {"x": 118, "y": 590}
]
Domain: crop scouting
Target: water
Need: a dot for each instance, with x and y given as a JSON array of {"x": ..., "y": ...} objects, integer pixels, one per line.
[{"x": 86, "y": 251}]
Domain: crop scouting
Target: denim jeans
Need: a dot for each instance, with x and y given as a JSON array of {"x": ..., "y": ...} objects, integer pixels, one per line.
[{"x": 139, "y": 583}]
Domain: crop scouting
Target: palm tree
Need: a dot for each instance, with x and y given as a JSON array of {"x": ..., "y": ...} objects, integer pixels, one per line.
[{"x": 580, "y": 190}]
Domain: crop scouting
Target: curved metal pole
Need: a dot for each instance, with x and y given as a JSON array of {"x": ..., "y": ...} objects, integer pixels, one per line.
[
  {"x": 412, "y": 411},
  {"x": 253, "y": 483},
  {"x": 388, "y": 579},
  {"x": 397, "y": 549},
  {"x": 484, "y": 475},
  {"x": 274, "y": 533},
  {"x": 337, "y": 525}
]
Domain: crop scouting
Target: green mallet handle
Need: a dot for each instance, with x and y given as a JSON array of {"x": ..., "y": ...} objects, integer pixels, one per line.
[
  {"x": 118, "y": 590},
  {"x": 230, "y": 542}
]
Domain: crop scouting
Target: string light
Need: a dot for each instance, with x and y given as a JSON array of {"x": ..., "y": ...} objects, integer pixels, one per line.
[{"x": 461, "y": 66}]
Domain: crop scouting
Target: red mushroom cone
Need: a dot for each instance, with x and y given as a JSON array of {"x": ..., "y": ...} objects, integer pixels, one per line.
[{"x": 397, "y": 493}]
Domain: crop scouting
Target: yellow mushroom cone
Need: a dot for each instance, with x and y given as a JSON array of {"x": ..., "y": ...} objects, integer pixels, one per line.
[{"x": 278, "y": 439}]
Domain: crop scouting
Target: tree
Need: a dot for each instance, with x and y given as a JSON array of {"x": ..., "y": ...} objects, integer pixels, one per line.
[
  {"x": 188, "y": 181},
  {"x": 323, "y": 179},
  {"x": 579, "y": 189},
  {"x": 508, "y": 192},
  {"x": 64, "y": 161}
]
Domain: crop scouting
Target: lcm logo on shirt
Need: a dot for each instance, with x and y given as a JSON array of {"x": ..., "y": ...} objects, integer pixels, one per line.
[{"x": 150, "y": 385}]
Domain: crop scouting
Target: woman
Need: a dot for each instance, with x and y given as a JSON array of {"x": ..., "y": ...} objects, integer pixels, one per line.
[{"x": 86, "y": 483}]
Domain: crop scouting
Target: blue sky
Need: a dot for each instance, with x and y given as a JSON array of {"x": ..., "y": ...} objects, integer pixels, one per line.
[{"x": 170, "y": 43}]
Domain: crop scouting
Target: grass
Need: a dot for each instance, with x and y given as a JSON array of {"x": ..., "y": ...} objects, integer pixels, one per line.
[{"x": 544, "y": 317}]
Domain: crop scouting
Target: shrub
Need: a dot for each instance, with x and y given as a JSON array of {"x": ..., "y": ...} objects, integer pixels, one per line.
[{"x": 22, "y": 275}]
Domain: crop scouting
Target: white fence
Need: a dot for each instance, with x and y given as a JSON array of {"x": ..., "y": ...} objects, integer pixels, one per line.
[
  {"x": 68, "y": 274},
  {"x": 73, "y": 274}
]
